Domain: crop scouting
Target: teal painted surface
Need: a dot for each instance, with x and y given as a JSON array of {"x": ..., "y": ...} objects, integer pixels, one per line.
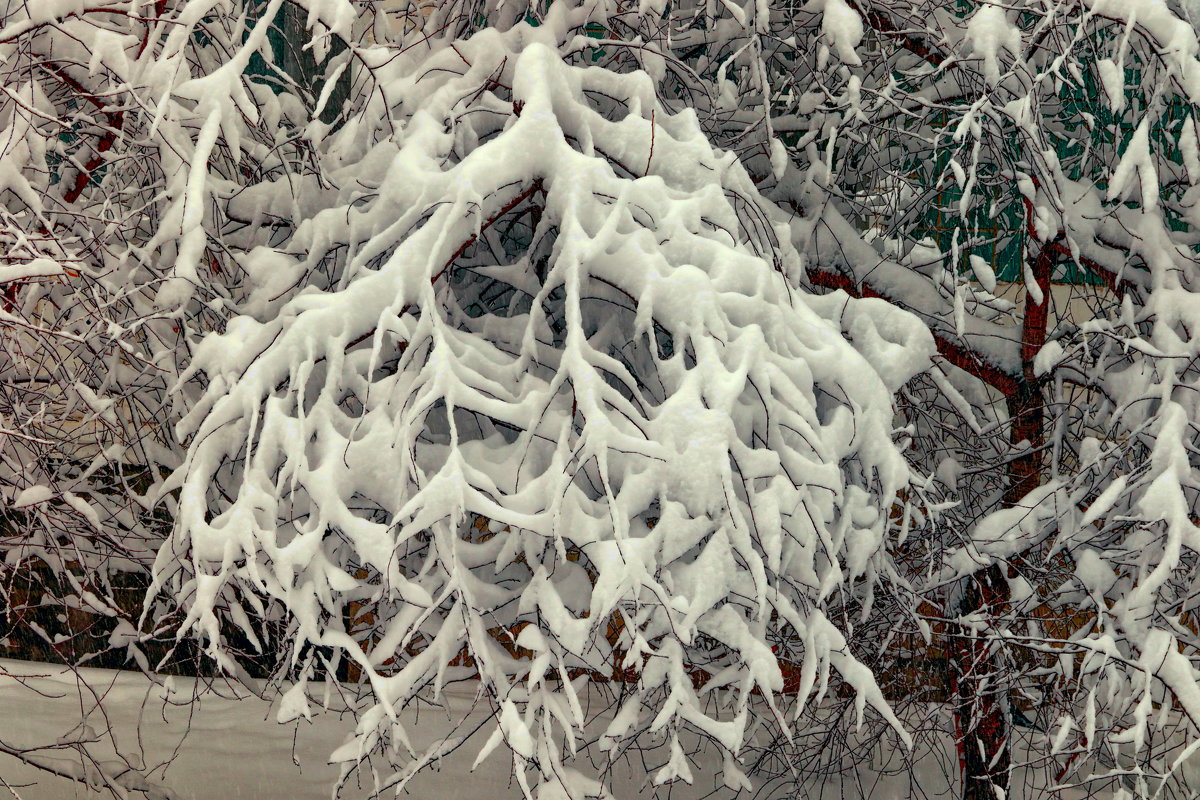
[
  {"x": 291, "y": 65},
  {"x": 1089, "y": 135}
]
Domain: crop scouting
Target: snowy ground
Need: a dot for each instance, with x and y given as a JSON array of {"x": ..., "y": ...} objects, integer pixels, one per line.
[
  {"x": 217, "y": 741},
  {"x": 226, "y": 744}
]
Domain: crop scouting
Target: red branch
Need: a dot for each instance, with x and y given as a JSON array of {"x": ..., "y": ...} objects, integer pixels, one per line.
[
  {"x": 1037, "y": 315},
  {"x": 534, "y": 188},
  {"x": 1060, "y": 249},
  {"x": 1026, "y": 407},
  {"x": 882, "y": 24},
  {"x": 956, "y": 353},
  {"x": 116, "y": 121},
  {"x": 160, "y": 8}
]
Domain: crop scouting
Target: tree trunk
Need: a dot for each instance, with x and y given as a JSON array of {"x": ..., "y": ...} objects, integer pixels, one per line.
[
  {"x": 978, "y": 677},
  {"x": 980, "y": 691}
]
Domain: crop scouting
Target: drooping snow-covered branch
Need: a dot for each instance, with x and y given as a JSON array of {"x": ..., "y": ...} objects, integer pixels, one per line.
[{"x": 562, "y": 397}]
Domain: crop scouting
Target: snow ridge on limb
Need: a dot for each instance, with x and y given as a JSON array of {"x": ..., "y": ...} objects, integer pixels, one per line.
[
  {"x": 558, "y": 416},
  {"x": 838, "y": 257}
]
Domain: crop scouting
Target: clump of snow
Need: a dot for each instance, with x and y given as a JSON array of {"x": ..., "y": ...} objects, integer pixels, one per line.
[
  {"x": 1112, "y": 76},
  {"x": 1136, "y": 160},
  {"x": 983, "y": 272},
  {"x": 32, "y": 495},
  {"x": 990, "y": 32},
  {"x": 1049, "y": 356},
  {"x": 843, "y": 27}
]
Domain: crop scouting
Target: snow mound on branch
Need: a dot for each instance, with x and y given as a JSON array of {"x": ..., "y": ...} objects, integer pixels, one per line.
[
  {"x": 559, "y": 415},
  {"x": 843, "y": 27},
  {"x": 990, "y": 31}
]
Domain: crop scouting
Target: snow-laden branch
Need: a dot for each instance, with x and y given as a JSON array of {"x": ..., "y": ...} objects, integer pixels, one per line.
[{"x": 543, "y": 395}]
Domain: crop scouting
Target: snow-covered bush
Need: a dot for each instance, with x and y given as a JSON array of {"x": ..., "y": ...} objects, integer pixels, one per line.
[{"x": 555, "y": 413}]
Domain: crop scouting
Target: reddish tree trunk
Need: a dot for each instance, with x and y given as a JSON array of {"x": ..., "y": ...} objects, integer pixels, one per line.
[
  {"x": 978, "y": 678},
  {"x": 980, "y": 692}
]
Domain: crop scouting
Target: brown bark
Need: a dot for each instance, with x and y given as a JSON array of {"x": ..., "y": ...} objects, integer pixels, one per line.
[
  {"x": 882, "y": 24},
  {"x": 979, "y": 691},
  {"x": 977, "y": 675},
  {"x": 956, "y": 352}
]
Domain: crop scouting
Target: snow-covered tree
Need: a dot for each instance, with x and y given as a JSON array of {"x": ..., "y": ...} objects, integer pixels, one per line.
[
  {"x": 656, "y": 347},
  {"x": 535, "y": 394},
  {"x": 1059, "y": 137}
]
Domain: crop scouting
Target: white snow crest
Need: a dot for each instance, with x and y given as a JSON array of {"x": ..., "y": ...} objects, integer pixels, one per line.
[
  {"x": 843, "y": 27},
  {"x": 990, "y": 31}
]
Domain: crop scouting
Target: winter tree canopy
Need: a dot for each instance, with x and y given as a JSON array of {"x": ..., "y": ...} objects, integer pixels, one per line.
[{"x": 779, "y": 373}]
